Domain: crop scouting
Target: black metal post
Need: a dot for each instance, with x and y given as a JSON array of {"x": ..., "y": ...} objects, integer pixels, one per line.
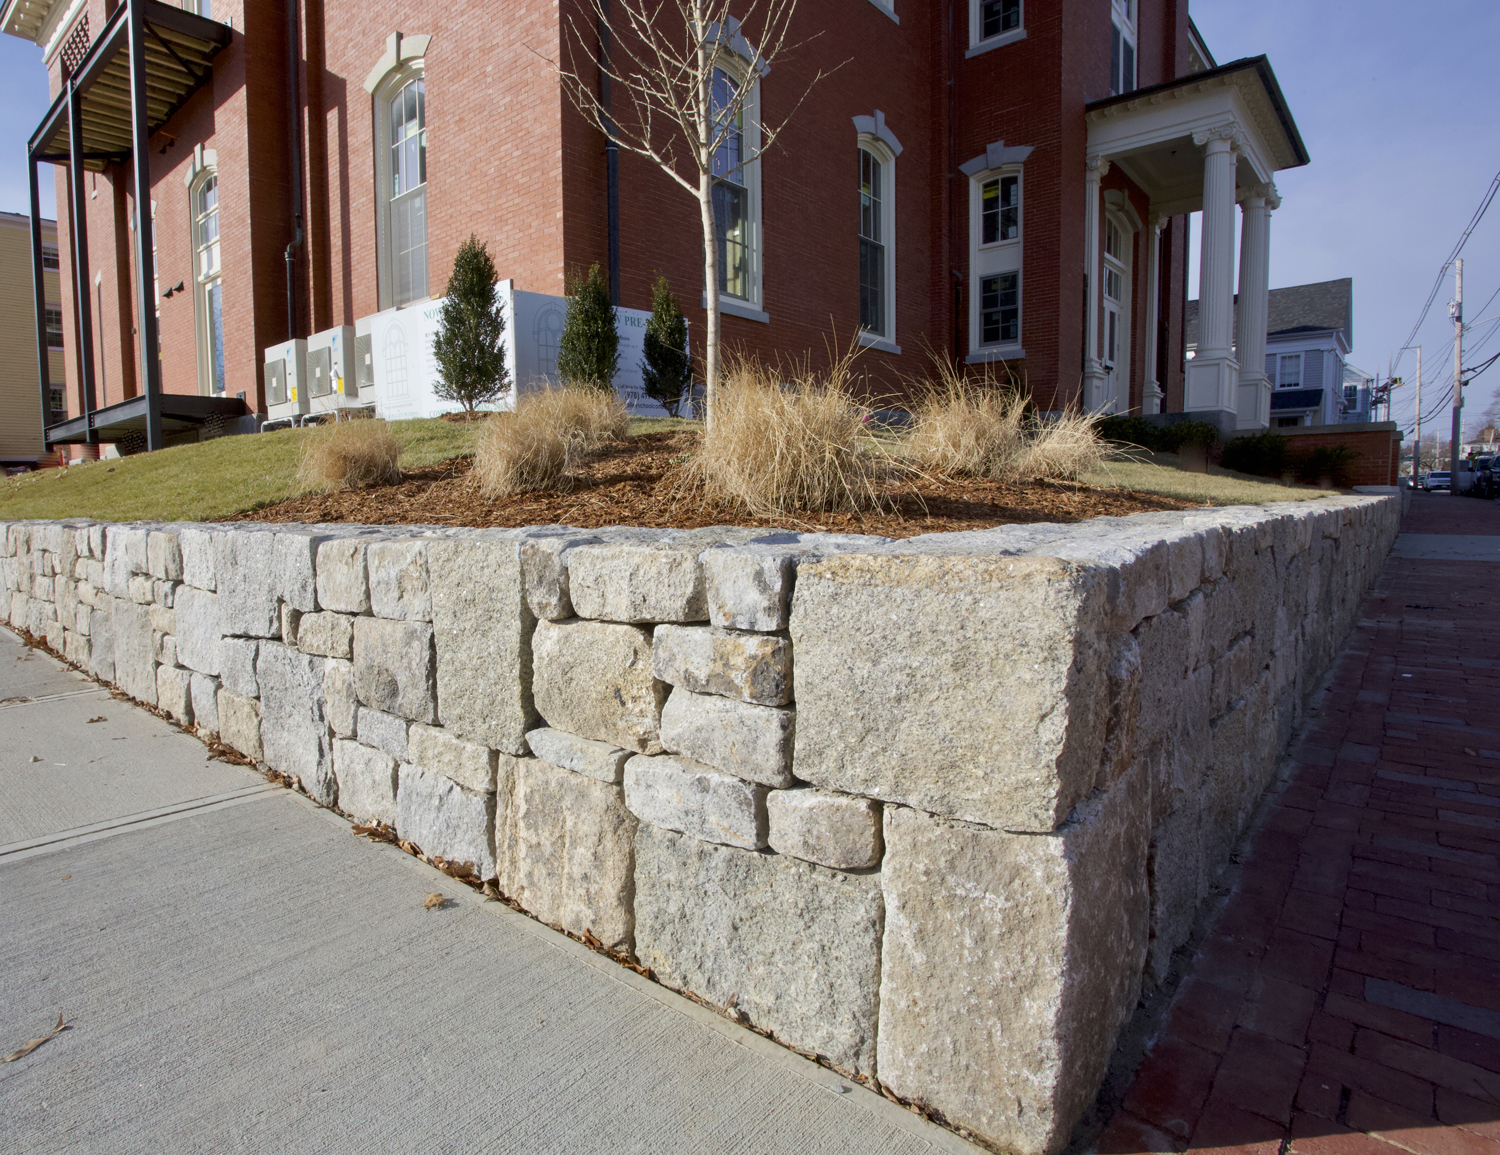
[
  {"x": 82, "y": 312},
  {"x": 140, "y": 158},
  {"x": 39, "y": 292}
]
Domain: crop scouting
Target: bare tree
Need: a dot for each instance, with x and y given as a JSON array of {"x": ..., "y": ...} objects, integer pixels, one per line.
[{"x": 688, "y": 71}]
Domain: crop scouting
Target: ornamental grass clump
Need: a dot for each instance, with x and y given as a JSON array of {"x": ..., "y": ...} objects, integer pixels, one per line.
[
  {"x": 543, "y": 441},
  {"x": 1062, "y": 447},
  {"x": 354, "y": 454},
  {"x": 964, "y": 427},
  {"x": 782, "y": 447}
]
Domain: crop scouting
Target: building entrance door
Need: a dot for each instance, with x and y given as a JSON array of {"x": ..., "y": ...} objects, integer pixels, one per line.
[{"x": 1116, "y": 317}]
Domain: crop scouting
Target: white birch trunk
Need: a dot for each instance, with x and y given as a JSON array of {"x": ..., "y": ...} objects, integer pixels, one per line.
[{"x": 706, "y": 128}]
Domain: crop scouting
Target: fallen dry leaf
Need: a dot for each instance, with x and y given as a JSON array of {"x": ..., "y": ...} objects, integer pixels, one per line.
[
  {"x": 590, "y": 940},
  {"x": 35, "y": 758},
  {"x": 100, "y": 718},
  {"x": 436, "y": 902},
  {"x": 32, "y": 1044}
]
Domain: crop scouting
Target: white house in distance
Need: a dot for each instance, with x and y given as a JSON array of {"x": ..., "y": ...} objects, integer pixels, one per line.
[{"x": 1309, "y": 335}]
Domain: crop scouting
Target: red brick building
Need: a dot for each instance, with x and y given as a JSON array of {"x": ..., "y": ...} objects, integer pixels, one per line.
[{"x": 999, "y": 180}]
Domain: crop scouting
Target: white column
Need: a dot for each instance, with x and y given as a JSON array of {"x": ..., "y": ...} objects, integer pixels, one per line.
[
  {"x": 1254, "y": 400},
  {"x": 1212, "y": 373},
  {"x": 1151, "y": 395},
  {"x": 1093, "y": 368}
]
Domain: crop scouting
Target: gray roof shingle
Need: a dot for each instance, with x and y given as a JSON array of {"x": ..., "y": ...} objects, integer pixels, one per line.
[{"x": 1298, "y": 308}]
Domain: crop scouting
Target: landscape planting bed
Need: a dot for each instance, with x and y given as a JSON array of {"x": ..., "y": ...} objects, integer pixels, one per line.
[{"x": 640, "y": 482}]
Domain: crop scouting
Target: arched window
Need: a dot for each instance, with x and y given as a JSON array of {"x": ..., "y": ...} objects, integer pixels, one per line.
[
  {"x": 208, "y": 280},
  {"x": 401, "y": 176}
]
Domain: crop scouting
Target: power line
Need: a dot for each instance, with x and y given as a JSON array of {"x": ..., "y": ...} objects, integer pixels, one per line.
[{"x": 1484, "y": 207}]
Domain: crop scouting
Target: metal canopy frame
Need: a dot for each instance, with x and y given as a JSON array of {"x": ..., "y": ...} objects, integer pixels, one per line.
[{"x": 147, "y": 61}]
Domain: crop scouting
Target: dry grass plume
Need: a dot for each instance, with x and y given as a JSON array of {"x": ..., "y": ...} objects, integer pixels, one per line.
[
  {"x": 551, "y": 431},
  {"x": 350, "y": 455}
]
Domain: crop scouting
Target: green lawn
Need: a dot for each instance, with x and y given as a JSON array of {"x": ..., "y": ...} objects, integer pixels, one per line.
[
  {"x": 202, "y": 481},
  {"x": 1162, "y": 473},
  {"x": 229, "y": 474}
]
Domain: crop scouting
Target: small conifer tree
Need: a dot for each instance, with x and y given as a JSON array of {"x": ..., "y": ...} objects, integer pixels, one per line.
[
  {"x": 589, "y": 350},
  {"x": 468, "y": 349},
  {"x": 667, "y": 369}
]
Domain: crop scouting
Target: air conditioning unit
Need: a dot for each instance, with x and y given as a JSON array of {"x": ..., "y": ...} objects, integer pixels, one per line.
[
  {"x": 286, "y": 383},
  {"x": 364, "y": 360},
  {"x": 331, "y": 381}
]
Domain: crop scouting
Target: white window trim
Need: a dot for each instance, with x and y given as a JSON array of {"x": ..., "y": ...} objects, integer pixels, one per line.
[
  {"x": 977, "y": 46},
  {"x": 393, "y": 80},
  {"x": 1129, "y": 30},
  {"x": 752, "y": 306},
  {"x": 203, "y": 167},
  {"x": 1300, "y": 354},
  {"x": 978, "y": 175},
  {"x": 873, "y": 135},
  {"x": 888, "y": 9}
]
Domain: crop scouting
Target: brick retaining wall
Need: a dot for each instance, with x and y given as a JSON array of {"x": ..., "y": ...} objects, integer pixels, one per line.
[
  {"x": 936, "y": 810},
  {"x": 1378, "y": 444}
]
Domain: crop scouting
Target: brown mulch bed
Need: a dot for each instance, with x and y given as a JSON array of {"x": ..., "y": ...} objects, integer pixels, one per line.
[{"x": 636, "y": 482}]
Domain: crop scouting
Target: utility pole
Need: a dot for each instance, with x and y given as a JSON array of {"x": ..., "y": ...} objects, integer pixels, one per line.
[
  {"x": 1416, "y": 453},
  {"x": 1458, "y": 376}
]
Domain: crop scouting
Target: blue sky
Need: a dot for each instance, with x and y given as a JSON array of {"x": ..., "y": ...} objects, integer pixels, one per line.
[
  {"x": 1397, "y": 105},
  {"x": 1398, "y": 114}
]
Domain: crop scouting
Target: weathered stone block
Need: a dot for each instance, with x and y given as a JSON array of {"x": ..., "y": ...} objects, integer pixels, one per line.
[
  {"x": 196, "y": 617},
  {"x": 239, "y": 723},
  {"x": 468, "y": 764},
  {"x": 135, "y": 663},
  {"x": 367, "y": 782},
  {"x": 196, "y": 544},
  {"x": 1177, "y": 884},
  {"x": 163, "y": 620},
  {"x": 76, "y": 648},
  {"x": 142, "y": 591},
  {"x": 203, "y": 693},
  {"x": 680, "y": 794},
  {"x": 328, "y": 634},
  {"x": 294, "y": 719},
  {"x": 638, "y": 582},
  {"x": 342, "y": 584},
  {"x": 594, "y": 679},
  {"x": 164, "y": 649},
  {"x": 124, "y": 557},
  {"x": 566, "y": 851},
  {"x": 749, "y": 587},
  {"x": 483, "y": 675},
  {"x": 294, "y": 556},
  {"x": 598, "y": 760},
  {"x": 443, "y": 818},
  {"x": 835, "y": 830},
  {"x": 174, "y": 693},
  {"x": 393, "y": 667},
  {"x": 163, "y": 555},
  {"x": 746, "y": 740},
  {"x": 246, "y": 578},
  {"x": 708, "y": 660},
  {"x": 101, "y": 639},
  {"x": 1010, "y": 963},
  {"x": 977, "y": 695},
  {"x": 237, "y": 665},
  {"x": 384, "y": 732},
  {"x": 793, "y": 947},
  {"x": 544, "y": 571},
  {"x": 290, "y": 619},
  {"x": 398, "y": 580},
  {"x": 340, "y": 700}
]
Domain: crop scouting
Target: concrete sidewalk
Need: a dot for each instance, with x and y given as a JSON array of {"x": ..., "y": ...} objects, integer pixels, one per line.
[
  {"x": 1347, "y": 999},
  {"x": 240, "y": 973}
]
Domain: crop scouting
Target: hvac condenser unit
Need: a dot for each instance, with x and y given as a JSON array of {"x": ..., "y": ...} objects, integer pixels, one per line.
[
  {"x": 364, "y": 360},
  {"x": 331, "y": 381},
  {"x": 286, "y": 383}
]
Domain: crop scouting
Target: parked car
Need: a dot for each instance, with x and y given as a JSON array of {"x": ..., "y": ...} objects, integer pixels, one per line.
[
  {"x": 1438, "y": 479},
  {"x": 1486, "y": 483}
]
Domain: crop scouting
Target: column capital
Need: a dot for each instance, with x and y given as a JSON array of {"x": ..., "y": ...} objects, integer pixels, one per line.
[
  {"x": 1095, "y": 167},
  {"x": 1158, "y": 222},
  {"x": 1265, "y": 193},
  {"x": 1229, "y": 133}
]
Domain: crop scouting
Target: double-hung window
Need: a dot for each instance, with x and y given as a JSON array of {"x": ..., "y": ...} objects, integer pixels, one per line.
[
  {"x": 54, "y": 319},
  {"x": 50, "y": 256},
  {"x": 731, "y": 188},
  {"x": 58, "y": 398},
  {"x": 209, "y": 276},
  {"x": 995, "y": 260},
  {"x": 873, "y": 289},
  {"x": 1289, "y": 372},
  {"x": 405, "y": 179},
  {"x": 1122, "y": 71},
  {"x": 993, "y": 23}
]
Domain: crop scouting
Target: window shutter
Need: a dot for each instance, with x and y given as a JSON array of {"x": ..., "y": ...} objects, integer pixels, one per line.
[
  {"x": 1271, "y": 368},
  {"x": 1312, "y": 369}
]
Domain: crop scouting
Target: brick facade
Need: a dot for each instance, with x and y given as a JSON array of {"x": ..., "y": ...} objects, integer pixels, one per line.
[
  {"x": 510, "y": 160},
  {"x": 1377, "y": 443}
]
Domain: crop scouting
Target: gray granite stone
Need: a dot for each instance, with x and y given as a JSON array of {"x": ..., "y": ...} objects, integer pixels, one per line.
[
  {"x": 680, "y": 794},
  {"x": 394, "y": 667}
]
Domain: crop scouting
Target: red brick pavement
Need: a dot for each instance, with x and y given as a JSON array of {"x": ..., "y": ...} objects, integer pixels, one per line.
[{"x": 1347, "y": 1000}]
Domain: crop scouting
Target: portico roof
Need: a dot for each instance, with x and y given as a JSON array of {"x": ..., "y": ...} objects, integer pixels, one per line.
[{"x": 1150, "y": 132}]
